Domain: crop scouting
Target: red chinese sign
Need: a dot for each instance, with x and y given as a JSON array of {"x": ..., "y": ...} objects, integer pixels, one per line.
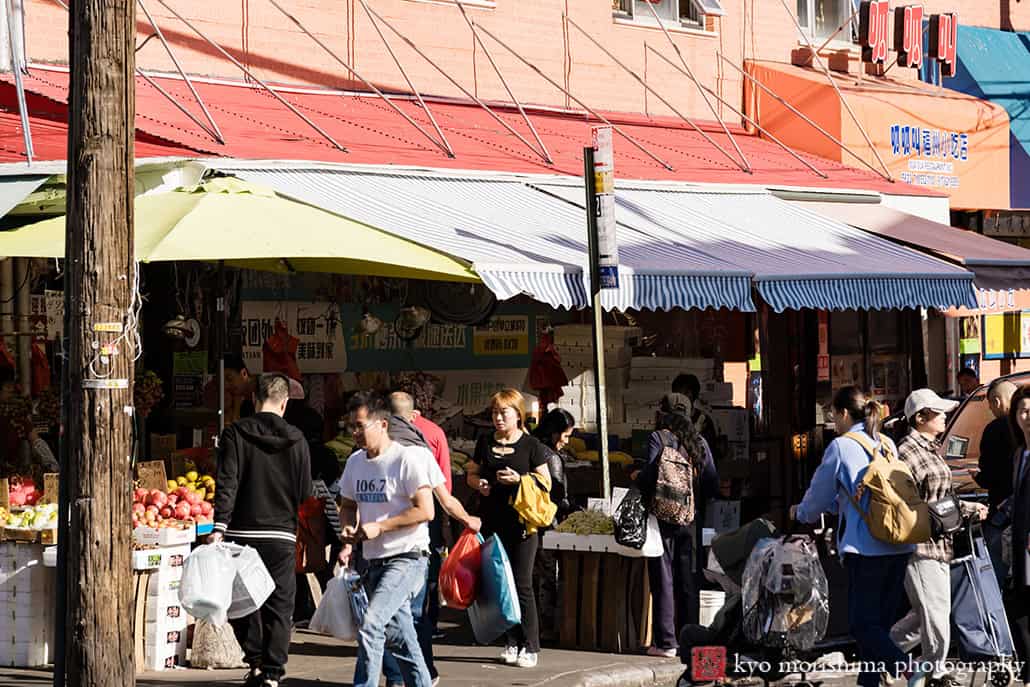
[
  {"x": 873, "y": 28},
  {"x": 908, "y": 36},
  {"x": 708, "y": 663},
  {"x": 944, "y": 41}
]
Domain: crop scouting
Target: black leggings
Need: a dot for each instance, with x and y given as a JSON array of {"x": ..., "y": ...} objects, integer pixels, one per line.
[{"x": 522, "y": 554}]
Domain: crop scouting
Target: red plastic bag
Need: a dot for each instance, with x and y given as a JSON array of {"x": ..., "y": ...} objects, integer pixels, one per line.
[{"x": 459, "y": 575}]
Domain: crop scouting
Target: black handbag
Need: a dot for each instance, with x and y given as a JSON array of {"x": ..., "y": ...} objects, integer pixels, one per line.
[
  {"x": 945, "y": 516},
  {"x": 631, "y": 520}
]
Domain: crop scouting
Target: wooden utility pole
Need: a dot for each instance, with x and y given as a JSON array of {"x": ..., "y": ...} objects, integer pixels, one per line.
[{"x": 99, "y": 286}]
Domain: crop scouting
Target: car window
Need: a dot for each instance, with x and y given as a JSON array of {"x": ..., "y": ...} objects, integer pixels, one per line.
[{"x": 961, "y": 442}]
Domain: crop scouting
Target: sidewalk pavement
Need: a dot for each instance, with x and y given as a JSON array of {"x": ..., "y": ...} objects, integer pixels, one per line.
[{"x": 318, "y": 661}]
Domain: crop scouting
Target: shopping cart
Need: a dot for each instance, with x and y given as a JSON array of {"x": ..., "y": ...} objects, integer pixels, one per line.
[{"x": 978, "y": 611}]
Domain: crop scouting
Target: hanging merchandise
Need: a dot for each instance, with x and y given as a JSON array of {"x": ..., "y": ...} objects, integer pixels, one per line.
[
  {"x": 147, "y": 392},
  {"x": 6, "y": 358},
  {"x": 279, "y": 352},
  {"x": 546, "y": 375},
  {"x": 40, "y": 369}
]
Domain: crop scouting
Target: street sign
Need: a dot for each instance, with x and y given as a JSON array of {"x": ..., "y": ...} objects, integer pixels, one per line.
[{"x": 604, "y": 189}]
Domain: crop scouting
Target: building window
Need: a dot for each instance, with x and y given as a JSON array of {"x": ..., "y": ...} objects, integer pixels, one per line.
[
  {"x": 821, "y": 18},
  {"x": 689, "y": 13}
]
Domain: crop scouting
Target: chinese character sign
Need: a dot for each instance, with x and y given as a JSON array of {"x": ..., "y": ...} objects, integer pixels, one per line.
[
  {"x": 908, "y": 36},
  {"x": 944, "y": 42},
  {"x": 320, "y": 342},
  {"x": 874, "y": 25}
]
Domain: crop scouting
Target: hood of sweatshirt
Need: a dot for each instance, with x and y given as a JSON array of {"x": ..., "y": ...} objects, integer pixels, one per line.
[{"x": 269, "y": 431}]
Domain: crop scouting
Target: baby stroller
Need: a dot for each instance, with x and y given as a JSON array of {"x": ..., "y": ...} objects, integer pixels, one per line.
[
  {"x": 978, "y": 611},
  {"x": 777, "y": 603}
]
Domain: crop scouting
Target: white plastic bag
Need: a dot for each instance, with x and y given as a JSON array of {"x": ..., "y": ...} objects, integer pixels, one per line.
[
  {"x": 334, "y": 616},
  {"x": 251, "y": 585},
  {"x": 653, "y": 547},
  {"x": 215, "y": 647},
  {"x": 207, "y": 583}
]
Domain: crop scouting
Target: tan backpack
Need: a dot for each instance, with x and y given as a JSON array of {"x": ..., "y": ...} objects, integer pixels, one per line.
[{"x": 897, "y": 513}]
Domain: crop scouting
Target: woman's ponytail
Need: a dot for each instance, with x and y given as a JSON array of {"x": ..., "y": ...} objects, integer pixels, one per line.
[{"x": 873, "y": 417}]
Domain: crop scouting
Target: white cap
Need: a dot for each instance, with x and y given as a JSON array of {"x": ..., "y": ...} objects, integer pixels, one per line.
[{"x": 922, "y": 399}]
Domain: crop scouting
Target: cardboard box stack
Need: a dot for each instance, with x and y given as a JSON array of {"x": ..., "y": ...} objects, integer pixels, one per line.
[
  {"x": 651, "y": 378},
  {"x": 575, "y": 346},
  {"x": 165, "y": 620},
  {"x": 27, "y": 591}
]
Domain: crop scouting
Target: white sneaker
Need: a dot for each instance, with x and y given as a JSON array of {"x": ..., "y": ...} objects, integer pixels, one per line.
[
  {"x": 510, "y": 655},
  {"x": 655, "y": 652},
  {"x": 526, "y": 659}
]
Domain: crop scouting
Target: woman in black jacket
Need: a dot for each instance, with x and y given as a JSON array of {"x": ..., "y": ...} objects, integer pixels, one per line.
[
  {"x": 1018, "y": 606},
  {"x": 554, "y": 431}
]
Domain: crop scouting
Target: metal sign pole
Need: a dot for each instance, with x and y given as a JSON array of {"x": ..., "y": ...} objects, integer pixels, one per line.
[{"x": 598, "y": 177}]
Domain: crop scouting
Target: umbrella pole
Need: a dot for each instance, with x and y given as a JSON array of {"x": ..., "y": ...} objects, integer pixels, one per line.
[{"x": 220, "y": 308}]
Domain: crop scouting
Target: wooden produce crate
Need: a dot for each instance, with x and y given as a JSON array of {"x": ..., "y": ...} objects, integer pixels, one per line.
[{"x": 606, "y": 602}]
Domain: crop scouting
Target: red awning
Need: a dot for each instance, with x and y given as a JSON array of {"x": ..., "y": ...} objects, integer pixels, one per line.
[{"x": 256, "y": 126}]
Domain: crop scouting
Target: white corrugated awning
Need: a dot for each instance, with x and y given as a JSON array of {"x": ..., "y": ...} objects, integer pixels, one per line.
[
  {"x": 15, "y": 189},
  {"x": 799, "y": 259},
  {"x": 518, "y": 239}
]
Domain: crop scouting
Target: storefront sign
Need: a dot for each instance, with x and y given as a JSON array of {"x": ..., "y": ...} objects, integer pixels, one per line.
[
  {"x": 1006, "y": 335},
  {"x": 908, "y": 36},
  {"x": 604, "y": 188},
  {"x": 873, "y": 27},
  {"x": 931, "y": 154},
  {"x": 316, "y": 326},
  {"x": 944, "y": 42},
  {"x": 502, "y": 336},
  {"x": 472, "y": 389},
  {"x": 54, "y": 314}
]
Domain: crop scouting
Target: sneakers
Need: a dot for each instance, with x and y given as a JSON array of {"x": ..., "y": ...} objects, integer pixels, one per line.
[
  {"x": 655, "y": 652},
  {"x": 526, "y": 659},
  {"x": 270, "y": 683},
  {"x": 253, "y": 678},
  {"x": 510, "y": 655}
]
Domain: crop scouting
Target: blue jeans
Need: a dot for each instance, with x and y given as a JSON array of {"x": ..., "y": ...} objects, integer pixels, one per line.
[
  {"x": 392, "y": 584},
  {"x": 424, "y": 630},
  {"x": 992, "y": 537},
  {"x": 875, "y": 586}
]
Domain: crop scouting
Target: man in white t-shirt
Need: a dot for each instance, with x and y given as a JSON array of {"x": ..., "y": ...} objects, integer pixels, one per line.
[{"x": 386, "y": 503}]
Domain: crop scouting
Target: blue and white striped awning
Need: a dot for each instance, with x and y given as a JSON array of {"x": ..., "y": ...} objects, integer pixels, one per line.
[
  {"x": 519, "y": 240},
  {"x": 799, "y": 259}
]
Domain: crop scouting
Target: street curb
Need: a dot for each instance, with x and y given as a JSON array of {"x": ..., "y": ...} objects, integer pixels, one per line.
[{"x": 659, "y": 673}]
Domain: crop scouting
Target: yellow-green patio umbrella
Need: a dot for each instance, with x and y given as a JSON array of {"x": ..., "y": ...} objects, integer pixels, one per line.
[{"x": 248, "y": 225}]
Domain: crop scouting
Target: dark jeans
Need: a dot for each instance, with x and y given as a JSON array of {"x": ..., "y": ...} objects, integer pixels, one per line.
[
  {"x": 875, "y": 588},
  {"x": 391, "y": 670},
  {"x": 264, "y": 635},
  {"x": 522, "y": 554},
  {"x": 992, "y": 537},
  {"x": 547, "y": 586},
  {"x": 674, "y": 598}
]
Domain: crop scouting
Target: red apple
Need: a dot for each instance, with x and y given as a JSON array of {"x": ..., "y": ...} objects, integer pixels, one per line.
[
  {"x": 31, "y": 498},
  {"x": 153, "y": 509},
  {"x": 166, "y": 512},
  {"x": 182, "y": 511},
  {"x": 205, "y": 508},
  {"x": 158, "y": 497},
  {"x": 140, "y": 495},
  {"x": 138, "y": 508},
  {"x": 173, "y": 499},
  {"x": 195, "y": 510}
]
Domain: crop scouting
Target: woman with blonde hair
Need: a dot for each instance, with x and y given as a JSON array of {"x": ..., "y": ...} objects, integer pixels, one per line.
[{"x": 500, "y": 460}]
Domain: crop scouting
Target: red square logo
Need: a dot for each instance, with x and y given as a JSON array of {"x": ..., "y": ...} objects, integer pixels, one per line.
[{"x": 708, "y": 663}]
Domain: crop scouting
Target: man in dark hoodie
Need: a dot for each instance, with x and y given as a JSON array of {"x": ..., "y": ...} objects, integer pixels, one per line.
[{"x": 264, "y": 474}]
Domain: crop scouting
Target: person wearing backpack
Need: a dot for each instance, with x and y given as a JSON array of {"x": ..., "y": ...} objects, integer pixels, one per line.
[
  {"x": 928, "y": 576},
  {"x": 876, "y": 568},
  {"x": 679, "y": 470}
]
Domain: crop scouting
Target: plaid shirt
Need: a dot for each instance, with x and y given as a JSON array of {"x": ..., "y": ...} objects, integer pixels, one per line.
[{"x": 933, "y": 478}]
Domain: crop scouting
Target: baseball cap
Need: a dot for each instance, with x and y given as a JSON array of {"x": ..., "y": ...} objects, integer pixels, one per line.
[
  {"x": 296, "y": 390},
  {"x": 921, "y": 399}
]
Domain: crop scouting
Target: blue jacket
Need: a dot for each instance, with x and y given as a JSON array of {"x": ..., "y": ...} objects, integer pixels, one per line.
[{"x": 844, "y": 464}]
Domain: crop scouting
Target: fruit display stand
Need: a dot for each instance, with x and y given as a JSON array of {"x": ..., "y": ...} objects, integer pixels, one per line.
[
  {"x": 606, "y": 598},
  {"x": 27, "y": 589}
]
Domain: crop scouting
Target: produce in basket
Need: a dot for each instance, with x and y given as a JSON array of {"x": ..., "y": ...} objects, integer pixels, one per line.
[
  {"x": 587, "y": 522},
  {"x": 147, "y": 392},
  {"x": 40, "y": 517}
]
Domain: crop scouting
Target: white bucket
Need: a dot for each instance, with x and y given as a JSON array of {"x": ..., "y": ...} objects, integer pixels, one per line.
[{"x": 711, "y": 603}]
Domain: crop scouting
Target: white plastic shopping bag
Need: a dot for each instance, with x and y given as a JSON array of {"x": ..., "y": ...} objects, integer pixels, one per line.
[
  {"x": 207, "y": 583},
  {"x": 652, "y": 547},
  {"x": 334, "y": 616},
  {"x": 252, "y": 585}
]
